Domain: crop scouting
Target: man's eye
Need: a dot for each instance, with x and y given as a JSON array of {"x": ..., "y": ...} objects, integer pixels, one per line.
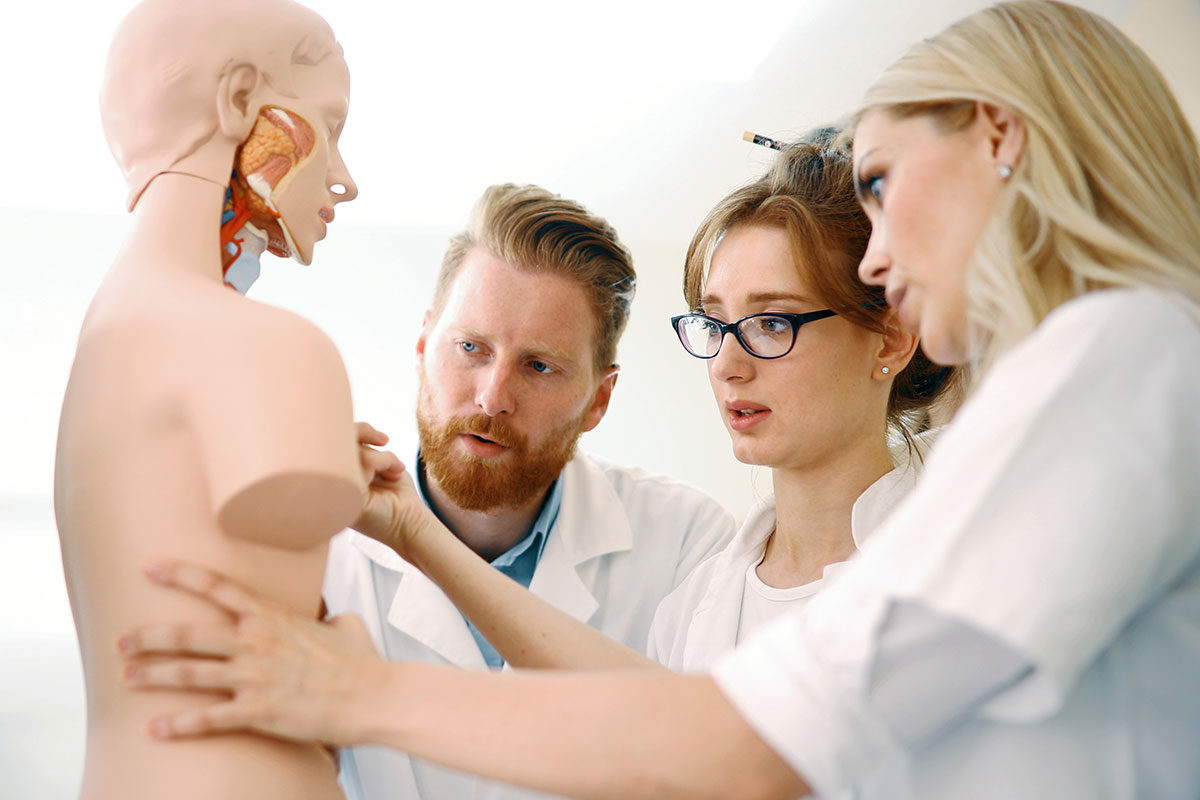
[
  {"x": 468, "y": 347},
  {"x": 541, "y": 366}
]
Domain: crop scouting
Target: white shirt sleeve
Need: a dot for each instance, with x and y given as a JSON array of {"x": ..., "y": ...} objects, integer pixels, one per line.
[{"x": 1063, "y": 501}]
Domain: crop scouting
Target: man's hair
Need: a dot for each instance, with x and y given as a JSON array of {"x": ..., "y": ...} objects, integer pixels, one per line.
[{"x": 530, "y": 228}]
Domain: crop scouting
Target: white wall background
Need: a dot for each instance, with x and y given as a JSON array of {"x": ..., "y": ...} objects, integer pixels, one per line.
[{"x": 635, "y": 108}]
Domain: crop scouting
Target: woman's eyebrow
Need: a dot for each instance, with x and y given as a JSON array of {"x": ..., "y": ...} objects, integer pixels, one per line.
[{"x": 766, "y": 297}]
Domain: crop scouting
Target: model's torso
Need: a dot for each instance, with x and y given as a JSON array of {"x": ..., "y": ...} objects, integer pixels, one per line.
[{"x": 131, "y": 488}]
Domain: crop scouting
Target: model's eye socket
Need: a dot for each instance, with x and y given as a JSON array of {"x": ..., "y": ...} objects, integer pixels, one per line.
[
  {"x": 468, "y": 347},
  {"x": 541, "y": 366}
]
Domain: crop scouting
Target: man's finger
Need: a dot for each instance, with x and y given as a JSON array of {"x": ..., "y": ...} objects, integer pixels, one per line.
[
  {"x": 181, "y": 639},
  {"x": 205, "y": 584}
]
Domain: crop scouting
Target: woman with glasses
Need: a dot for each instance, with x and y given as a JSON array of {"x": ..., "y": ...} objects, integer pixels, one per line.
[
  {"x": 811, "y": 372},
  {"x": 1027, "y": 623}
]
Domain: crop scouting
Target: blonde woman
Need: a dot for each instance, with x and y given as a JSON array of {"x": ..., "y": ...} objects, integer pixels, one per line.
[{"x": 1027, "y": 623}]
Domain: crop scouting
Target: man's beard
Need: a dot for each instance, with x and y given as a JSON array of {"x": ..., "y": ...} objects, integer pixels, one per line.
[{"x": 480, "y": 484}]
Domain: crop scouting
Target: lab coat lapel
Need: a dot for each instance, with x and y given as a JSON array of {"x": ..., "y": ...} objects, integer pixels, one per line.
[
  {"x": 420, "y": 610},
  {"x": 591, "y": 522},
  {"x": 712, "y": 630}
]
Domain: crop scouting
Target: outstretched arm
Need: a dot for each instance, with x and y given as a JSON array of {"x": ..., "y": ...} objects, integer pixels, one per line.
[
  {"x": 525, "y": 630},
  {"x": 629, "y": 734}
]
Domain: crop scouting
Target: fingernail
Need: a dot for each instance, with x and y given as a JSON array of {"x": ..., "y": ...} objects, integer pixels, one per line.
[
  {"x": 160, "y": 729},
  {"x": 123, "y": 644},
  {"x": 132, "y": 672},
  {"x": 156, "y": 569}
]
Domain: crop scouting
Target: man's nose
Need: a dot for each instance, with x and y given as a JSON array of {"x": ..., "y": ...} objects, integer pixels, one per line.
[{"x": 494, "y": 394}]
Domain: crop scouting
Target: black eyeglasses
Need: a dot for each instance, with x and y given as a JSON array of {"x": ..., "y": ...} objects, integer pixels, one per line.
[{"x": 760, "y": 335}]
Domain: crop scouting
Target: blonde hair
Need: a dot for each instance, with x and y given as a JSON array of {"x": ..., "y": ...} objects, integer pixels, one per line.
[
  {"x": 809, "y": 195},
  {"x": 533, "y": 229},
  {"x": 1107, "y": 190}
]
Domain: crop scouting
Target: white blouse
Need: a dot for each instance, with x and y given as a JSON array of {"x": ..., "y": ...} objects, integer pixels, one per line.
[
  {"x": 699, "y": 621},
  {"x": 1027, "y": 623}
]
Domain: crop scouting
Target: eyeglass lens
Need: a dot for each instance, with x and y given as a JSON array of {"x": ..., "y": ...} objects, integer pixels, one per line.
[{"x": 761, "y": 334}]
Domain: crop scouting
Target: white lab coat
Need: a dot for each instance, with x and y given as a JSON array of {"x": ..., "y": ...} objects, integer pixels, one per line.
[
  {"x": 1059, "y": 516},
  {"x": 698, "y": 622},
  {"x": 622, "y": 541}
]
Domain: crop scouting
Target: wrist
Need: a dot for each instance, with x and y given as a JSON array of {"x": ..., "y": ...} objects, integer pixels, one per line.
[{"x": 382, "y": 717}]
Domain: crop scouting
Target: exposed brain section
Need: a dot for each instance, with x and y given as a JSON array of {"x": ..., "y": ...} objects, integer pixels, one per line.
[{"x": 278, "y": 146}]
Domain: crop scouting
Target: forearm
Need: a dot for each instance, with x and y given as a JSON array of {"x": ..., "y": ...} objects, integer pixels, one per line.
[
  {"x": 526, "y": 631},
  {"x": 583, "y": 734}
]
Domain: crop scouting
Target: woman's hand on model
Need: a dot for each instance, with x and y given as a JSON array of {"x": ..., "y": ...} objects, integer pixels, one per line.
[
  {"x": 289, "y": 676},
  {"x": 393, "y": 512}
]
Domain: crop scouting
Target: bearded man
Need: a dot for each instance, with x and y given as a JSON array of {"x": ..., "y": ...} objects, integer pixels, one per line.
[{"x": 517, "y": 358}]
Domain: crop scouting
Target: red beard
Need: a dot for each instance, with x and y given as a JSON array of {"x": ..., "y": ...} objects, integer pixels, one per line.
[{"x": 481, "y": 484}]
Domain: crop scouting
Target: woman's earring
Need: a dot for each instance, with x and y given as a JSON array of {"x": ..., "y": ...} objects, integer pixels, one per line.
[
  {"x": 886, "y": 370},
  {"x": 1004, "y": 171}
]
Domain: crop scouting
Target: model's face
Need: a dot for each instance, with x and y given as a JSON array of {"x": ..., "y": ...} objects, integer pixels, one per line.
[
  {"x": 928, "y": 195},
  {"x": 509, "y": 381},
  {"x": 310, "y": 191},
  {"x": 799, "y": 410}
]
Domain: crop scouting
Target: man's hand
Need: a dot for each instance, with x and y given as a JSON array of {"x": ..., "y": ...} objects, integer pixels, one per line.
[
  {"x": 392, "y": 510},
  {"x": 290, "y": 676}
]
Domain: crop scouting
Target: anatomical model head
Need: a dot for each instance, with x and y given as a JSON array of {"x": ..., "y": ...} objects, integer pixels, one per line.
[{"x": 204, "y": 87}]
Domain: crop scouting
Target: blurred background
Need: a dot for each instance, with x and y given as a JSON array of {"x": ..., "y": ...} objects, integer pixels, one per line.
[{"x": 635, "y": 108}]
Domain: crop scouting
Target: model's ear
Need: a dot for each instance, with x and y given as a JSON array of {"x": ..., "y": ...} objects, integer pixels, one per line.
[
  {"x": 600, "y": 400},
  {"x": 236, "y": 109},
  {"x": 1005, "y": 132},
  {"x": 896, "y": 349}
]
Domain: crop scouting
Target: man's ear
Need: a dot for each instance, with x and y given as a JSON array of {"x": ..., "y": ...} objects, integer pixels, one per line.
[
  {"x": 1005, "y": 131},
  {"x": 236, "y": 106},
  {"x": 422, "y": 338},
  {"x": 600, "y": 400},
  {"x": 896, "y": 349}
]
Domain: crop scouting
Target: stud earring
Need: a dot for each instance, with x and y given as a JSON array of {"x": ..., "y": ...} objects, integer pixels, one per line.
[
  {"x": 1004, "y": 171},
  {"x": 886, "y": 370}
]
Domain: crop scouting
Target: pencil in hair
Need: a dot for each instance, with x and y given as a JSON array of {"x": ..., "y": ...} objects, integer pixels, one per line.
[{"x": 750, "y": 136}]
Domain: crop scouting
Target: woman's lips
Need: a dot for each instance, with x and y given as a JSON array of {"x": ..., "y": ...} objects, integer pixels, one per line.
[{"x": 743, "y": 416}]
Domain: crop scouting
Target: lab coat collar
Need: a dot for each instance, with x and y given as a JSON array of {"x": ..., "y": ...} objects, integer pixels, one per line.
[
  {"x": 712, "y": 630},
  {"x": 592, "y": 522}
]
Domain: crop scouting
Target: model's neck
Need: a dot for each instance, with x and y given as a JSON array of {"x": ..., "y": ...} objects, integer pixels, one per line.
[
  {"x": 177, "y": 226},
  {"x": 813, "y": 513},
  {"x": 489, "y": 533}
]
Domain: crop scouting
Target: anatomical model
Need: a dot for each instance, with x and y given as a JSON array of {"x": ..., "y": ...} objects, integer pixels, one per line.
[{"x": 199, "y": 424}]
